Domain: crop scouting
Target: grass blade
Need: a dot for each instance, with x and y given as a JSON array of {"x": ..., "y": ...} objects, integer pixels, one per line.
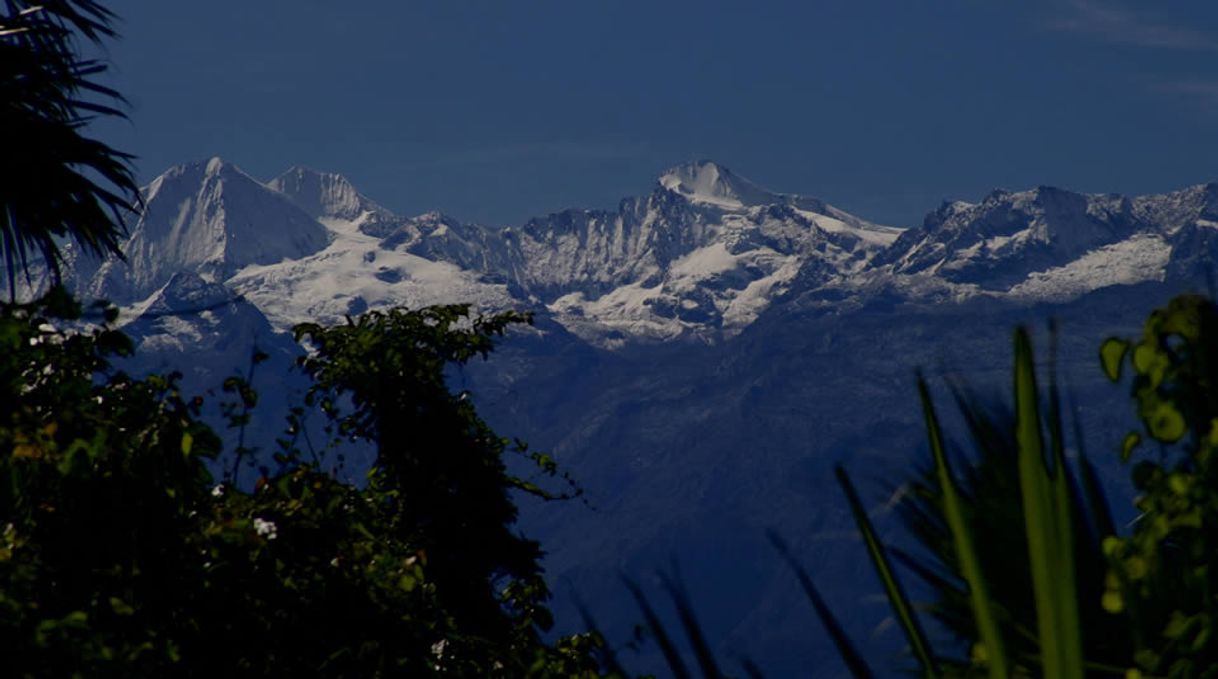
[
  {"x": 607, "y": 655},
  {"x": 693, "y": 631},
  {"x": 845, "y": 648},
  {"x": 1066, "y": 595},
  {"x": 937, "y": 581},
  {"x": 1097, "y": 502},
  {"x": 892, "y": 587},
  {"x": 970, "y": 564},
  {"x": 1046, "y": 505},
  {"x": 1089, "y": 480},
  {"x": 751, "y": 670},
  {"x": 671, "y": 655}
]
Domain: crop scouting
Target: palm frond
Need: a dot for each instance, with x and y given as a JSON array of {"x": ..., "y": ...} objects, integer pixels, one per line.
[
  {"x": 1049, "y": 524},
  {"x": 56, "y": 183},
  {"x": 608, "y": 657},
  {"x": 845, "y": 647},
  {"x": 693, "y": 630},
  {"x": 897, "y": 598},
  {"x": 669, "y": 648},
  {"x": 971, "y": 569},
  {"x": 991, "y": 490}
]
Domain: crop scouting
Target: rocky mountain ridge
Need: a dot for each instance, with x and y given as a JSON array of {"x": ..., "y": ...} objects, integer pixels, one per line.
[{"x": 701, "y": 256}]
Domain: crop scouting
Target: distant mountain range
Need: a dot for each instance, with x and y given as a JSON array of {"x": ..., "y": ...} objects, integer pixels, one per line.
[
  {"x": 701, "y": 256},
  {"x": 701, "y": 356}
]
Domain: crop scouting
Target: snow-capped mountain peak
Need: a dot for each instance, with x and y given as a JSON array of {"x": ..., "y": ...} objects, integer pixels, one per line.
[
  {"x": 324, "y": 195},
  {"x": 1194, "y": 205},
  {"x": 194, "y": 174},
  {"x": 210, "y": 218},
  {"x": 704, "y": 181},
  {"x": 704, "y": 254}
]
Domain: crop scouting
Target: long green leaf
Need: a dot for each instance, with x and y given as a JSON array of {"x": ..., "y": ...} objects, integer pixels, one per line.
[
  {"x": 1063, "y": 495},
  {"x": 693, "y": 630},
  {"x": 892, "y": 587},
  {"x": 751, "y": 669},
  {"x": 671, "y": 655},
  {"x": 970, "y": 564},
  {"x": 1046, "y": 506},
  {"x": 845, "y": 648},
  {"x": 1096, "y": 500},
  {"x": 1089, "y": 481},
  {"x": 1037, "y": 501},
  {"x": 606, "y": 653}
]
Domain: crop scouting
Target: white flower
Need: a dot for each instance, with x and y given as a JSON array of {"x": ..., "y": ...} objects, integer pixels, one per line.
[
  {"x": 437, "y": 651},
  {"x": 265, "y": 528},
  {"x": 218, "y": 490}
]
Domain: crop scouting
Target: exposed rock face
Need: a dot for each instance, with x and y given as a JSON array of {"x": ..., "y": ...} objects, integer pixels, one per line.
[{"x": 211, "y": 219}]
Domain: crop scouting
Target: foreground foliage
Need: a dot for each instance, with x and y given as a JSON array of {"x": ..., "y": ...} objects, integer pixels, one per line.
[
  {"x": 1030, "y": 577},
  {"x": 1075, "y": 597},
  {"x": 1163, "y": 577},
  {"x": 56, "y": 183},
  {"x": 120, "y": 555}
]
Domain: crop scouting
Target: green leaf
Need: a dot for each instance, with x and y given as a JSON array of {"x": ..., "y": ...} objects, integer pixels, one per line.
[
  {"x": 970, "y": 563},
  {"x": 1112, "y": 357},
  {"x": 693, "y": 631},
  {"x": 1046, "y": 506},
  {"x": 121, "y": 607},
  {"x": 892, "y": 587},
  {"x": 1131, "y": 441},
  {"x": 1166, "y": 423},
  {"x": 845, "y": 648},
  {"x": 188, "y": 442},
  {"x": 671, "y": 655},
  {"x": 1097, "y": 504}
]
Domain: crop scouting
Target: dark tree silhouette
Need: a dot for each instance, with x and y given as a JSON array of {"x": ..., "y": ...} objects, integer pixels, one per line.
[{"x": 56, "y": 183}]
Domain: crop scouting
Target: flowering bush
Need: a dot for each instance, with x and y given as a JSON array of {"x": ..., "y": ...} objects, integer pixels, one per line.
[{"x": 121, "y": 555}]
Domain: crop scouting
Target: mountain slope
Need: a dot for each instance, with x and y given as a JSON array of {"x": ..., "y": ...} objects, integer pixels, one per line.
[
  {"x": 701, "y": 255},
  {"x": 211, "y": 219},
  {"x": 1041, "y": 245},
  {"x": 354, "y": 273},
  {"x": 994, "y": 244}
]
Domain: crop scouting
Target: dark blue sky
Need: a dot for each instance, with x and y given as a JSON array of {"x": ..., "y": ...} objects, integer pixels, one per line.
[{"x": 498, "y": 110}]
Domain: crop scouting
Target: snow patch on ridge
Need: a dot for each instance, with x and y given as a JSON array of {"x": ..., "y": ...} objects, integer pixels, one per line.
[
  {"x": 881, "y": 236},
  {"x": 1139, "y": 259},
  {"x": 625, "y": 312},
  {"x": 354, "y": 274},
  {"x": 702, "y": 256},
  {"x": 703, "y": 262}
]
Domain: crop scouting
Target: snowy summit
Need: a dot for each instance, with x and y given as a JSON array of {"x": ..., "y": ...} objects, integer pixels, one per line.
[
  {"x": 704, "y": 181},
  {"x": 703, "y": 256}
]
